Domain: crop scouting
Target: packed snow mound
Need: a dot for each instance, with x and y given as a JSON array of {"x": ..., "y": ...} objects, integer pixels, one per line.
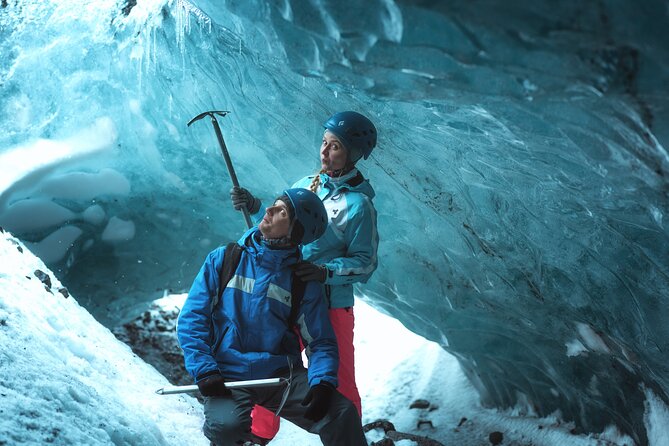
[{"x": 66, "y": 379}]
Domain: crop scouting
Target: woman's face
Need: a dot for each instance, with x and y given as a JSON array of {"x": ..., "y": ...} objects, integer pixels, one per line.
[
  {"x": 276, "y": 222},
  {"x": 333, "y": 153}
]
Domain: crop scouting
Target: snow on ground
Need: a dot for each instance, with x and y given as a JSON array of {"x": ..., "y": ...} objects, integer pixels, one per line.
[
  {"x": 396, "y": 367},
  {"x": 67, "y": 380}
]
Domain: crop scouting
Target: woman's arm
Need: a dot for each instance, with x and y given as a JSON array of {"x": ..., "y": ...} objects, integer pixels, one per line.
[{"x": 362, "y": 241}]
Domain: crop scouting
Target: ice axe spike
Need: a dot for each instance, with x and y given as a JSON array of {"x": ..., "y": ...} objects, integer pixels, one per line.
[{"x": 224, "y": 149}]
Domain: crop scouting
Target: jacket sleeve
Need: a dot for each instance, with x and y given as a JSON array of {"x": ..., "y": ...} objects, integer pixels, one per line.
[
  {"x": 362, "y": 240},
  {"x": 194, "y": 322},
  {"x": 318, "y": 336}
]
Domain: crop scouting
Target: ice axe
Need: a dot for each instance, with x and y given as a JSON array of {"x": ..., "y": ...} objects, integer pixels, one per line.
[
  {"x": 224, "y": 149},
  {"x": 171, "y": 390}
]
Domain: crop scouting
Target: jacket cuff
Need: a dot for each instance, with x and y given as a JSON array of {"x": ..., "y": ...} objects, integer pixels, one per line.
[
  {"x": 316, "y": 381},
  {"x": 206, "y": 375}
]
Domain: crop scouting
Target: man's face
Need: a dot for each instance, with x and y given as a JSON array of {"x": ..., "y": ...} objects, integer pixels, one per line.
[{"x": 276, "y": 222}]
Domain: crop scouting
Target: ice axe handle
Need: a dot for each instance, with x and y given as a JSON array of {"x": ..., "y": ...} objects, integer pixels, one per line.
[
  {"x": 228, "y": 162},
  {"x": 226, "y": 155},
  {"x": 171, "y": 390}
]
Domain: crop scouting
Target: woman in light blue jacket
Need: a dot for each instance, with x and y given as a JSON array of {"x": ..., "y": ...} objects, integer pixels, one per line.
[{"x": 347, "y": 252}]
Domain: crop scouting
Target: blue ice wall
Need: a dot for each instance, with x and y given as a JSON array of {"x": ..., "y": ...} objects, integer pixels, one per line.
[{"x": 521, "y": 171}]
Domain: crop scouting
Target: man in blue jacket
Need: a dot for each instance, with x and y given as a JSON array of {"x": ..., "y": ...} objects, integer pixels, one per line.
[{"x": 246, "y": 335}]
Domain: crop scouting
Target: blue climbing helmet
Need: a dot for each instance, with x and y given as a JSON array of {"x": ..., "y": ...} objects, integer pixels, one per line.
[
  {"x": 355, "y": 131},
  {"x": 309, "y": 212}
]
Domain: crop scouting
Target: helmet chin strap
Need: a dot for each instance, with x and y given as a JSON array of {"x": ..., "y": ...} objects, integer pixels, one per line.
[
  {"x": 281, "y": 242},
  {"x": 343, "y": 171}
]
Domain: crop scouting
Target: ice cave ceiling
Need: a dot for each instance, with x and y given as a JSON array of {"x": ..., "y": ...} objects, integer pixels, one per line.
[{"x": 521, "y": 172}]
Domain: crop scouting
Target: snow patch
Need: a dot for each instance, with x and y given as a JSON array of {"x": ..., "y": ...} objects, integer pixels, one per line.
[
  {"x": 118, "y": 230},
  {"x": 575, "y": 348},
  {"x": 656, "y": 419},
  {"x": 55, "y": 246},
  {"x": 592, "y": 340}
]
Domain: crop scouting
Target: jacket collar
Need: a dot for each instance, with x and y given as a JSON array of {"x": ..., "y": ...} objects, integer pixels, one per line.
[
  {"x": 353, "y": 181},
  {"x": 274, "y": 259}
]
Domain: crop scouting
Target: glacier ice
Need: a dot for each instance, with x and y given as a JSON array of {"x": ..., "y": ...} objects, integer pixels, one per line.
[{"x": 521, "y": 171}]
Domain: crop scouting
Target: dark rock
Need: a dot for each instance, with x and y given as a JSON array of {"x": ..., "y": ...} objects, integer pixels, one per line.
[
  {"x": 64, "y": 292},
  {"x": 391, "y": 435},
  {"x": 3, "y": 322},
  {"x": 418, "y": 439},
  {"x": 43, "y": 277},
  {"x": 420, "y": 404},
  {"x": 379, "y": 424},
  {"x": 495, "y": 438},
  {"x": 463, "y": 420},
  {"x": 129, "y": 4},
  {"x": 17, "y": 244},
  {"x": 152, "y": 337}
]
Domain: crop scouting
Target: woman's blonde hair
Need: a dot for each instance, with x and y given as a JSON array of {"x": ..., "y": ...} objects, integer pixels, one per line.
[{"x": 313, "y": 187}]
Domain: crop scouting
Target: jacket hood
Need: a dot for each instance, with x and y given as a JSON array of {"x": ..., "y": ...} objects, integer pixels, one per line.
[{"x": 271, "y": 258}]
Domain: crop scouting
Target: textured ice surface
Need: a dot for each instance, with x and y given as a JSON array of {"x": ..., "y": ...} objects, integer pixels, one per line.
[{"x": 521, "y": 171}]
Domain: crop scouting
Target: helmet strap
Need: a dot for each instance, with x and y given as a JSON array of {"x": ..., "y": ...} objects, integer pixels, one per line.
[
  {"x": 343, "y": 171},
  {"x": 282, "y": 242},
  {"x": 279, "y": 243}
]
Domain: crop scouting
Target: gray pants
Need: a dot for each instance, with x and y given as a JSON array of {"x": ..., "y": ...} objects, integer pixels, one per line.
[{"x": 228, "y": 420}]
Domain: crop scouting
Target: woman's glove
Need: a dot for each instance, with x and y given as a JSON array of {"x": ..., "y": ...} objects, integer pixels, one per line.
[
  {"x": 242, "y": 198},
  {"x": 213, "y": 385},
  {"x": 318, "y": 401},
  {"x": 308, "y": 271}
]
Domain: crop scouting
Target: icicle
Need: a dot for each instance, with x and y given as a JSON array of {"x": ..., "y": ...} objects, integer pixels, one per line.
[{"x": 184, "y": 9}]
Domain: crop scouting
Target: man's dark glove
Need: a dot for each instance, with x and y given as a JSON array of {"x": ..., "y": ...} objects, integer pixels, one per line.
[
  {"x": 318, "y": 401},
  {"x": 242, "y": 198},
  {"x": 308, "y": 271},
  {"x": 213, "y": 385}
]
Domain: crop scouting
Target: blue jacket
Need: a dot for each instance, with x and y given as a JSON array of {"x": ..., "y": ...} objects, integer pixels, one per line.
[
  {"x": 348, "y": 249},
  {"x": 246, "y": 336}
]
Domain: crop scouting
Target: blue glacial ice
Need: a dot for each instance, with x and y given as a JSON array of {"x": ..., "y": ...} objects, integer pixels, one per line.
[{"x": 521, "y": 171}]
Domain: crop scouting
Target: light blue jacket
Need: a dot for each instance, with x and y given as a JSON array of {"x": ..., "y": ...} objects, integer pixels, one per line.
[
  {"x": 348, "y": 249},
  {"x": 246, "y": 336}
]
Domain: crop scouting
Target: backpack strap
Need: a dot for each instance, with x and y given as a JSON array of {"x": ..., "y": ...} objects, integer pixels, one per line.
[
  {"x": 297, "y": 288},
  {"x": 233, "y": 253}
]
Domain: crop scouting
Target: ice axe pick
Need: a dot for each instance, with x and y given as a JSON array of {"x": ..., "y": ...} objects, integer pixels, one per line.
[{"x": 221, "y": 142}]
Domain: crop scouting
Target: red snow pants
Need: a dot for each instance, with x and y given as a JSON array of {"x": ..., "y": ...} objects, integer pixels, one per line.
[{"x": 266, "y": 425}]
